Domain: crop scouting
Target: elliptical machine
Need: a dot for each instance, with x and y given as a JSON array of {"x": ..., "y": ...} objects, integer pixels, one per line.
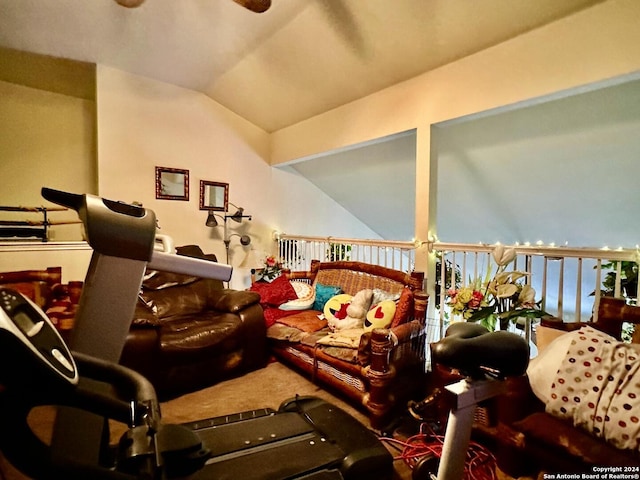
[{"x": 305, "y": 438}]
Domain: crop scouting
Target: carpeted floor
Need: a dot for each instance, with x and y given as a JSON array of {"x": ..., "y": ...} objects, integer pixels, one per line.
[{"x": 267, "y": 387}]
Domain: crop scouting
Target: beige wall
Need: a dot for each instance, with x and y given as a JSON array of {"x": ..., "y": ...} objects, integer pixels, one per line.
[
  {"x": 144, "y": 123},
  {"x": 593, "y": 45},
  {"x": 46, "y": 139}
]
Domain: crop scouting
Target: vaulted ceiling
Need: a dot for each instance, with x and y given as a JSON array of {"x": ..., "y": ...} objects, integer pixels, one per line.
[{"x": 298, "y": 59}]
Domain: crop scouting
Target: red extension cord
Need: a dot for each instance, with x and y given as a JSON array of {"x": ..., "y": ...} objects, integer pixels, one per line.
[{"x": 480, "y": 463}]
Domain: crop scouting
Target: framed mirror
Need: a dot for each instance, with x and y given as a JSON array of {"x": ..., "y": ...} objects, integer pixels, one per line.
[
  {"x": 214, "y": 196},
  {"x": 172, "y": 183}
]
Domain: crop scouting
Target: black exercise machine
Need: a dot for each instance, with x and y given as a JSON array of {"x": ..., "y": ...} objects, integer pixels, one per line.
[
  {"x": 485, "y": 360},
  {"x": 306, "y": 438}
]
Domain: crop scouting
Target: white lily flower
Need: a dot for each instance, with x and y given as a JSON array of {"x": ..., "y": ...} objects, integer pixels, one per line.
[
  {"x": 503, "y": 256},
  {"x": 506, "y": 290},
  {"x": 527, "y": 295}
]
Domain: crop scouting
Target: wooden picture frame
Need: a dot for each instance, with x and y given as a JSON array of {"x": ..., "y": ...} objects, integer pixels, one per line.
[
  {"x": 214, "y": 196},
  {"x": 172, "y": 183}
]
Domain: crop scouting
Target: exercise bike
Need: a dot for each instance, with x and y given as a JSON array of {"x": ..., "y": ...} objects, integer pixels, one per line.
[
  {"x": 485, "y": 360},
  {"x": 305, "y": 438}
]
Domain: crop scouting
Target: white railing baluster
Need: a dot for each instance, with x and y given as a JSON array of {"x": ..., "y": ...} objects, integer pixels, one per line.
[
  {"x": 617, "y": 288},
  {"x": 561, "y": 288},
  {"x": 578, "y": 307},
  {"x": 547, "y": 267}
]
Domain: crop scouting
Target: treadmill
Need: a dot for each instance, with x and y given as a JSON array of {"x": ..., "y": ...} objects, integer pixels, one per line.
[{"x": 305, "y": 438}]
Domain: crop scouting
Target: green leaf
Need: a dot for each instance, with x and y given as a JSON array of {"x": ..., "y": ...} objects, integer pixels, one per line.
[
  {"x": 481, "y": 313},
  {"x": 489, "y": 322}
]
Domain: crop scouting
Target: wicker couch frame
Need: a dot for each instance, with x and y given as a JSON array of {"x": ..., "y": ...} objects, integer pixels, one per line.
[{"x": 396, "y": 367}]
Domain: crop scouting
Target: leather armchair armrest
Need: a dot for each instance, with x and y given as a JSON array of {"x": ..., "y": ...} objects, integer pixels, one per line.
[{"x": 232, "y": 301}]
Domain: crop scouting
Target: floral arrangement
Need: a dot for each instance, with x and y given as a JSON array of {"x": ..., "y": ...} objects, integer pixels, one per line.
[
  {"x": 501, "y": 298},
  {"x": 272, "y": 269}
]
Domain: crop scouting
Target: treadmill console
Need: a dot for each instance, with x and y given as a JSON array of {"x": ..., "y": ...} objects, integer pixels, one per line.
[{"x": 30, "y": 342}]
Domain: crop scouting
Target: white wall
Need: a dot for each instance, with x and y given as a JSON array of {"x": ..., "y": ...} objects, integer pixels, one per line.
[
  {"x": 143, "y": 123},
  {"x": 563, "y": 172}
]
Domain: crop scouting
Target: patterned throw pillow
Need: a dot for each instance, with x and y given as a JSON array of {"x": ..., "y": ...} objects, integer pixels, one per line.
[
  {"x": 323, "y": 294},
  {"x": 306, "y": 296}
]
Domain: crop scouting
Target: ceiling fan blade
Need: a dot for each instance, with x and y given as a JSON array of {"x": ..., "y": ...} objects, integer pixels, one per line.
[
  {"x": 130, "y": 3},
  {"x": 257, "y": 6}
]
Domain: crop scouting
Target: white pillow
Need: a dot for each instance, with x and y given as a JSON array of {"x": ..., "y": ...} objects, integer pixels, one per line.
[
  {"x": 306, "y": 296},
  {"x": 542, "y": 370}
]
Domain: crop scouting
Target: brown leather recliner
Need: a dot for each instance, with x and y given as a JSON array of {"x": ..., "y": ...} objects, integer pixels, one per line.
[{"x": 188, "y": 332}]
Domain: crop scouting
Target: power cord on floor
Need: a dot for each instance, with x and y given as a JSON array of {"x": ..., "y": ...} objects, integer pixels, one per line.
[{"x": 480, "y": 462}]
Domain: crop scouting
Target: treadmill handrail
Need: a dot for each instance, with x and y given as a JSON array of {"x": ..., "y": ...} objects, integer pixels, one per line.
[{"x": 198, "y": 267}]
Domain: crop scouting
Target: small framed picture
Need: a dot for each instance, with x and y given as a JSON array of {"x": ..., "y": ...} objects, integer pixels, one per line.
[
  {"x": 172, "y": 183},
  {"x": 214, "y": 196}
]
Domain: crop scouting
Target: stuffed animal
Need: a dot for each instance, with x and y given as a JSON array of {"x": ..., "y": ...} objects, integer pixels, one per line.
[{"x": 359, "y": 306}]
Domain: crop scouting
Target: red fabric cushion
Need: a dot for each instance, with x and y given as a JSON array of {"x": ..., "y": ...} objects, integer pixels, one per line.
[
  {"x": 404, "y": 308},
  {"x": 272, "y": 315},
  {"x": 275, "y": 293}
]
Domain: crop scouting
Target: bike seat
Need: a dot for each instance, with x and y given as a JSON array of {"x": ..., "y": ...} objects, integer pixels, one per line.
[{"x": 475, "y": 352}]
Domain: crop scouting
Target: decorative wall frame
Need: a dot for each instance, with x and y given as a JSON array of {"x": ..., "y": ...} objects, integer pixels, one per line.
[
  {"x": 172, "y": 183},
  {"x": 214, "y": 196}
]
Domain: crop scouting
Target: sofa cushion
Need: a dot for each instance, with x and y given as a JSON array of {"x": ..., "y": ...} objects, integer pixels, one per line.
[
  {"x": 349, "y": 338},
  {"x": 192, "y": 336},
  {"x": 177, "y": 300},
  {"x": 280, "y": 331},
  {"x": 306, "y": 320}
]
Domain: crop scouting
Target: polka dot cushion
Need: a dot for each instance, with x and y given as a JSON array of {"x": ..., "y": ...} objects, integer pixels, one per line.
[{"x": 598, "y": 388}]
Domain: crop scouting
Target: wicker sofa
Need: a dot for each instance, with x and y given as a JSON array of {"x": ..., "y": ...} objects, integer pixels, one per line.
[{"x": 388, "y": 365}]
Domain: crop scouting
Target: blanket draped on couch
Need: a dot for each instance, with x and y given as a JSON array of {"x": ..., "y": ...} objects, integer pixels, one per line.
[{"x": 598, "y": 388}]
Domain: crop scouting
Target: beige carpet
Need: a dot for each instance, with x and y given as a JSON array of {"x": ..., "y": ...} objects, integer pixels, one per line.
[{"x": 267, "y": 387}]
